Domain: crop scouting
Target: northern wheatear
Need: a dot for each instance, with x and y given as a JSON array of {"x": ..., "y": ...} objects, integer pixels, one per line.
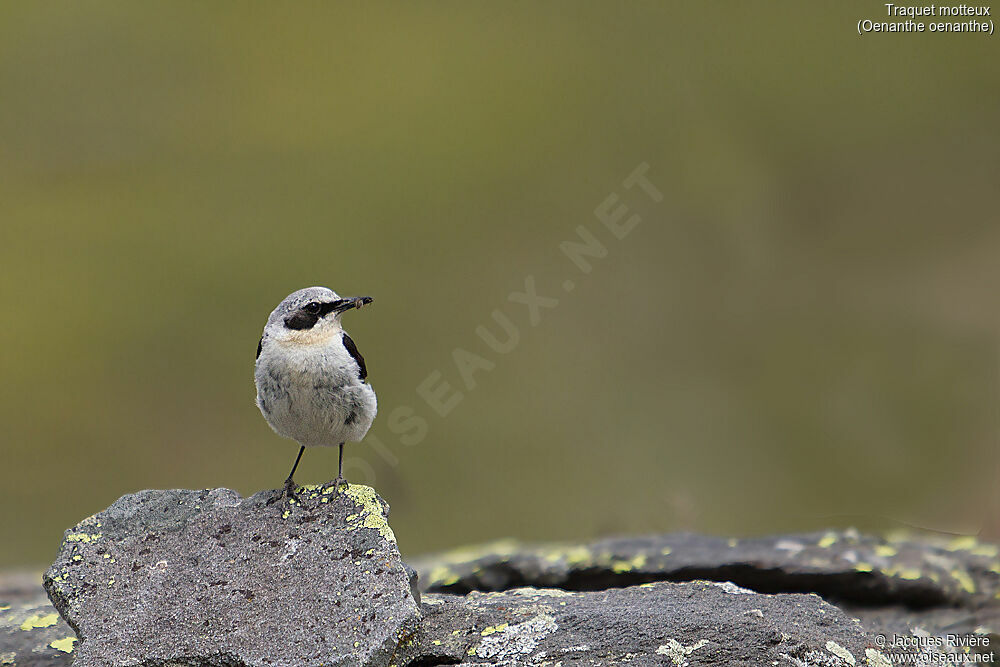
[{"x": 311, "y": 380}]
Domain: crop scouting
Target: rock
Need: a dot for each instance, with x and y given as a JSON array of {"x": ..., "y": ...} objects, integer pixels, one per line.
[
  {"x": 210, "y": 578},
  {"x": 939, "y": 589},
  {"x": 843, "y": 567},
  {"x": 604, "y": 612},
  {"x": 31, "y": 632},
  {"x": 699, "y": 623}
]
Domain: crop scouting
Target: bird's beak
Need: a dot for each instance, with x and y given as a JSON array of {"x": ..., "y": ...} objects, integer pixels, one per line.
[{"x": 350, "y": 302}]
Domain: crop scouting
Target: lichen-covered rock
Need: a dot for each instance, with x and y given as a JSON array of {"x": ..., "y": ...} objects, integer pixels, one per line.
[
  {"x": 698, "y": 623},
  {"x": 31, "y": 632},
  {"x": 841, "y": 566},
  {"x": 906, "y": 592},
  {"x": 210, "y": 578}
]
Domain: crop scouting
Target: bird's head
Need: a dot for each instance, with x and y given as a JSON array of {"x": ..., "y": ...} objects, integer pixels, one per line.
[{"x": 310, "y": 315}]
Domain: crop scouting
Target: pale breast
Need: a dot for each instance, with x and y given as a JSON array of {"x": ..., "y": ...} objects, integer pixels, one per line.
[{"x": 312, "y": 394}]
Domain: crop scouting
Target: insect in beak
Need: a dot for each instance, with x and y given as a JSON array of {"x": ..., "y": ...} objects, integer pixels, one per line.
[{"x": 344, "y": 305}]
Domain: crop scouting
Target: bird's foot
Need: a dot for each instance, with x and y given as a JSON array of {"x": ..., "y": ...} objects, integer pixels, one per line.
[
  {"x": 337, "y": 484},
  {"x": 289, "y": 491}
]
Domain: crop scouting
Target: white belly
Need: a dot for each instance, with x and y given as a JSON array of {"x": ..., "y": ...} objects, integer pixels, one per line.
[{"x": 313, "y": 395}]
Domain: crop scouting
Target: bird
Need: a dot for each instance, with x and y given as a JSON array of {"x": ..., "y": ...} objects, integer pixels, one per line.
[{"x": 312, "y": 382}]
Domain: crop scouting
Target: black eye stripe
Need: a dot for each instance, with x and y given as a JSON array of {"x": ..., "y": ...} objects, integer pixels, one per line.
[
  {"x": 301, "y": 320},
  {"x": 306, "y": 318}
]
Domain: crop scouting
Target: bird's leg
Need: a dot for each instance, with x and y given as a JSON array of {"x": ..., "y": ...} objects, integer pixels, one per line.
[
  {"x": 340, "y": 471},
  {"x": 290, "y": 483}
]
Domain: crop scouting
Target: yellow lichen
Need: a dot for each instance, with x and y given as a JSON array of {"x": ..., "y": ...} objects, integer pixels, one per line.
[
  {"x": 620, "y": 566},
  {"x": 491, "y": 629},
  {"x": 604, "y": 557},
  {"x": 909, "y": 574},
  {"x": 83, "y": 537},
  {"x": 65, "y": 645},
  {"x": 964, "y": 580},
  {"x": 988, "y": 550},
  {"x": 443, "y": 576},
  {"x": 827, "y": 540},
  {"x": 577, "y": 555},
  {"x": 885, "y": 551},
  {"x": 40, "y": 621},
  {"x": 570, "y": 553},
  {"x": 502, "y": 548},
  {"x": 863, "y": 567},
  {"x": 963, "y": 543},
  {"x": 310, "y": 490},
  {"x": 372, "y": 512}
]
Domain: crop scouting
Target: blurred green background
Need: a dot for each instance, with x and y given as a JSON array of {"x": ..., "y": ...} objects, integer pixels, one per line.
[{"x": 801, "y": 334}]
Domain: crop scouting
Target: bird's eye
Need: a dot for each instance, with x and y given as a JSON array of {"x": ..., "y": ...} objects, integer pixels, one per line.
[{"x": 312, "y": 307}]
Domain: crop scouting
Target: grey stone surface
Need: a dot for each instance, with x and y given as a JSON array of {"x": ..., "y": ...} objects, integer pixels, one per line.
[
  {"x": 698, "y": 623},
  {"x": 31, "y": 632},
  {"x": 210, "y": 578},
  {"x": 924, "y": 586},
  {"x": 844, "y": 567},
  {"x": 636, "y": 623}
]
